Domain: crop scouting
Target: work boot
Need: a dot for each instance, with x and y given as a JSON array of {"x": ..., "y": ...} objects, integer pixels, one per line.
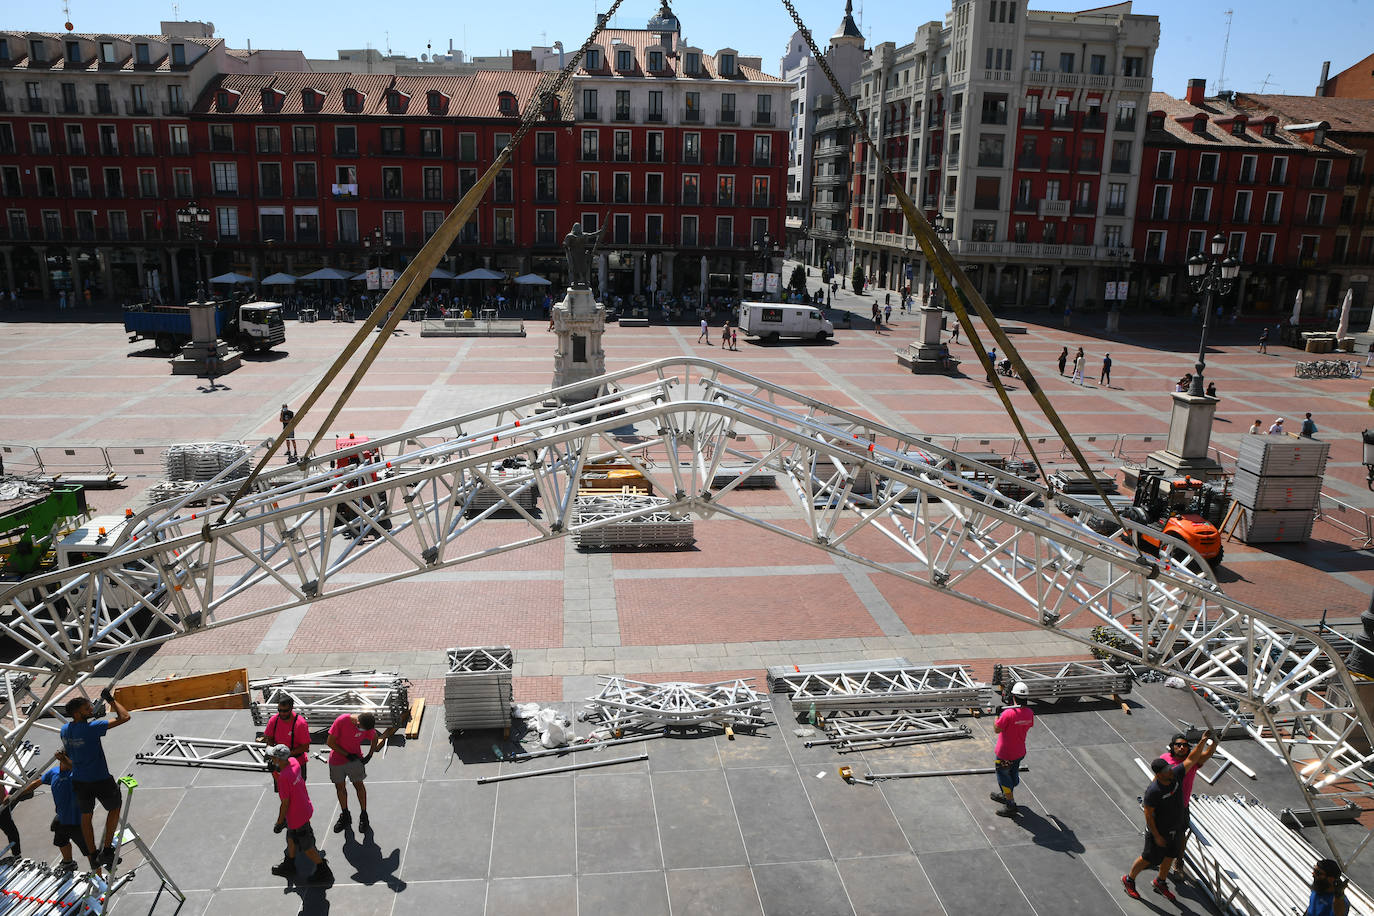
[
  {"x": 323, "y": 874},
  {"x": 1000, "y": 798},
  {"x": 364, "y": 825},
  {"x": 344, "y": 822},
  {"x": 286, "y": 868},
  {"x": 1007, "y": 810}
]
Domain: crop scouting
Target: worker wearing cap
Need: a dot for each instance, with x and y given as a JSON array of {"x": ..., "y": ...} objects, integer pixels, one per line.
[
  {"x": 1277, "y": 428},
  {"x": 1011, "y": 728},
  {"x": 286, "y": 726},
  {"x": 293, "y": 816}
]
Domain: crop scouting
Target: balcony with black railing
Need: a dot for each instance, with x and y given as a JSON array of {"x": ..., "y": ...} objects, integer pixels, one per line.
[
  {"x": 1094, "y": 121},
  {"x": 35, "y": 106},
  {"x": 1062, "y": 121},
  {"x": 1084, "y": 207},
  {"x": 1025, "y": 204},
  {"x": 727, "y": 116},
  {"x": 990, "y": 160},
  {"x": 1121, "y": 166},
  {"x": 987, "y": 202},
  {"x": 1033, "y": 119},
  {"x": 691, "y": 116},
  {"x": 1115, "y": 208},
  {"x": 1126, "y": 125},
  {"x": 763, "y": 119},
  {"x": 1057, "y": 162}
]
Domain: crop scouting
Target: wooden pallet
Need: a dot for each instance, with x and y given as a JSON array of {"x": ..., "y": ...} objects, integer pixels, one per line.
[
  {"x": 417, "y": 712},
  {"x": 217, "y": 690}
]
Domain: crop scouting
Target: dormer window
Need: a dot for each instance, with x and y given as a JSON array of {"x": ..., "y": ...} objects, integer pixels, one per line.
[
  {"x": 692, "y": 63},
  {"x": 107, "y": 52},
  {"x": 178, "y": 55},
  {"x": 1267, "y": 131},
  {"x": 593, "y": 59},
  {"x": 311, "y": 101},
  {"x": 505, "y": 103},
  {"x": 624, "y": 59},
  {"x": 1155, "y": 122},
  {"x": 73, "y": 52},
  {"x": 226, "y": 100},
  {"x": 551, "y": 108},
  {"x": 4, "y": 49},
  {"x": 396, "y": 101},
  {"x": 1238, "y": 128},
  {"x": 352, "y": 101},
  {"x": 727, "y": 65},
  {"x": 437, "y": 101},
  {"x": 1200, "y": 124},
  {"x": 272, "y": 100},
  {"x": 141, "y": 55},
  {"x": 656, "y": 61},
  {"x": 36, "y": 54}
]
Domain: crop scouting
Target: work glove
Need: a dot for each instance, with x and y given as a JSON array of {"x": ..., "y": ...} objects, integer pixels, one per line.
[
  {"x": 107, "y": 695},
  {"x": 279, "y": 826}
]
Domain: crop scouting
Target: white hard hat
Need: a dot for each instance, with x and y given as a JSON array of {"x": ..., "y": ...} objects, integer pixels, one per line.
[
  {"x": 279, "y": 752},
  {"x": 1019, "y": 689}
]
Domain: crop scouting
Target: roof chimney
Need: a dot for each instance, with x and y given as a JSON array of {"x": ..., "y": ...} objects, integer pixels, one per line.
[
  {"x": 1326, "y": 74},
  {"x": 1197, "y": 90}
]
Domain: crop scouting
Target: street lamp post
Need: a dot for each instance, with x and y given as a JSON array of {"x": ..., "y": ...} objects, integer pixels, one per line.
[
  {"x": 1119, "y": 255},
  {"x": 1211, "y": 276},
  {"x": 379, "y": 242},
  {"x": 192, "y": 220},
  {"x": 944, "y": 228},
  {"x": 763, "y": 246}
]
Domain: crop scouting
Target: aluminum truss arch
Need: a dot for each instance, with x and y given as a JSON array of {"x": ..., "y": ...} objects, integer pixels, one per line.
[{"x": 686, "y": 425}]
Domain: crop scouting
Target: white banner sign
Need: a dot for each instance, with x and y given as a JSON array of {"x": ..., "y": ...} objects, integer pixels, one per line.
[
  {"x": 756, "y": 282},
  {"x": 771, "y": 284},
  {"x": 385, "y": 280}
]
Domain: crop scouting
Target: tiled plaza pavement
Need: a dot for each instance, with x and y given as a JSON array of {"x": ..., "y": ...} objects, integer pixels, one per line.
[
  {"x": 740, "y": 600},
  {"x": 756, "y": 825}
]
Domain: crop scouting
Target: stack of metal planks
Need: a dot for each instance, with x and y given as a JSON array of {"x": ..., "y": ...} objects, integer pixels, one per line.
[
  {"x": 477, "y": 688},
  {"x": 892, "y": 689},
  {"x": 502, "y": 493},
  {"x": 648, "y": 528},
  {"x": 1278, "y": 482},
  {"x": 325, "y": 695}
]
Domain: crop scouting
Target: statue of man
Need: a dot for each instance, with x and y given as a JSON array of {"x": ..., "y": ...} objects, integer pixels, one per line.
[{"x": 579, "y": 246}]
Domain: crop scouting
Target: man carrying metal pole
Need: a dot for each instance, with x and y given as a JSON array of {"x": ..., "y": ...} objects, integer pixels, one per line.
[
  {"x": 1163, "y": 804},
  {"x": 1011, "y": 728}
]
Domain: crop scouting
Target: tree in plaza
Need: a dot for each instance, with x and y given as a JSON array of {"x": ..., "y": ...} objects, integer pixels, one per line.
[
  {"x": 798, "y": 280},
  {"x": 857, "y": 280}
]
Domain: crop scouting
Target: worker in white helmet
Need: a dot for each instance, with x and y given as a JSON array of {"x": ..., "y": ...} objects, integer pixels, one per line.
[{"x": 1011, "y": 728}]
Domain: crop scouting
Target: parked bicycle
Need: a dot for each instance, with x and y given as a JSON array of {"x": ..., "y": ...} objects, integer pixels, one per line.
[{"x": 1329, "y": 368}]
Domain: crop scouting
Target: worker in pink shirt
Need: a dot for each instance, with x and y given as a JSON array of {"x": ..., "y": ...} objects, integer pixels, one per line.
[
  {"x": 288, "y": 727},
  {"x": 1177, "y": 754},
  {"x": 1011, "y": 727},
  {"x": 293, "y": 816},
  {"x": 347, "y": 763}
]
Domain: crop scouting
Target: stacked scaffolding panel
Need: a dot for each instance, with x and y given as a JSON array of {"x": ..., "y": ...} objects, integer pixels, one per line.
[
  {"x": 917, "y": 687},
  {"x": 866, "y": 733},
  {"x": 477, "y": 688},
  {"x": 624, "y": 704},
  {"x": 39, "y": 889},
  {"x": 649, "y": 529},
  {"x": 1278, "y": 482},
  {"x": 325, "y": 696},
  {"x": 778, "y": 675},
  {"x": 1063, "y": 680}
]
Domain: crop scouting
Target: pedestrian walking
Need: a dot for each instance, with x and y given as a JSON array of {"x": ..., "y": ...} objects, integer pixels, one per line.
[
  {"x": 1011, "y": 727},
  {"x": 1277, "y": 428},
  {"x": 1309, "y": 428},
  {"x": 1163, "y": 804},
  {"x": 1263, "y": 340},
  {"x": 887, "y": 313},
  {"x": 1106, "y": 377},
  {"x": 955, "y": 335},
  {"x": 66, "y": 822},
  {"x": 1078, "y": 369},
  {"x": 887, "y": 302},
  {"x": 734, "y": 338},
  {"x": 293, "y": 817},
  {"x": 1063, "y": 359},
  {"x": 287, "y": 415},
  {"x": 288, "y": 727},
  {"x": 705, "y": 329},
  {"x": 91, "y": 779},
  {"x": 346, "y": 764},
  {"x": 1369, "y": 360},
  {"x": 1256, "y": 428},
  {"x": 725, "y": 335},
  {"x": 1327, "y": 897}
]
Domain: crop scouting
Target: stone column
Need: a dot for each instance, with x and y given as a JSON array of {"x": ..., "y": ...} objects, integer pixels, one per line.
[
  {"x": 1023, "y": 276},
  {"x": 603, "y": 279},
  {"x": 668, "y": 258},
  {"x": 106, "y": 256},
  {"x": 44, "y": 278},
  {"x": 209, "y": 271},
  {"x": 140, "y": 278},
  {"x": 639, "y": 263},
  {"x": 8, "y": 258},
  {"x": 176, "y": 275},
  {"x": 78, "y": 293},
  {"x": 1190, "y": 435}
]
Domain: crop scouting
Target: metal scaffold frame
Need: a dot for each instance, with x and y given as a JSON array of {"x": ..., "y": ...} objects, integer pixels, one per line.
[
  {"x": 627, "y": 704},
  {"x": 917, "y": 687},
  {"x": 208, "y": 753},
  {"x": 282, "y": 546}
]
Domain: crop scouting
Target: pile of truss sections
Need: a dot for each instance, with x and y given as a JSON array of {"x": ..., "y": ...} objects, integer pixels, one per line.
[
  {"x": 626, "y": 705},
  {"x": 891, "y": 689},
  {"x": 608, "y": 511},
  {"x": 1064, "y": 680},
  {"x": 38, "y": 889},
  {"x": 503, "y": 494},
  {"x": 754, "y": 480},
  {"x": 1249, "y": 863},
  {"x": 477, "y": 688},
  {"x": 868, "y": 733},
  {"x": 778, "y": 675},
  {"x": 325, "y": 695},
  {"x": 16, "y": 767},
  {"x": 204, "y": 461},
  {"x": 209, "y": 753}
]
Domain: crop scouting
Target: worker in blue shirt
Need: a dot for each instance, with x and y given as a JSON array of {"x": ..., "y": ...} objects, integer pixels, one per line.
[
  {"x": 91, "y": 779},
  {"x": 66, "y": 823}
]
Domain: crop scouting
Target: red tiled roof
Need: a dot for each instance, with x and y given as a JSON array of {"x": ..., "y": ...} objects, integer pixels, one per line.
[
  {"x": 1350, "y": 115},
  {"x": 475, "y": 95},
  {"x": 1179, "y": 115}
]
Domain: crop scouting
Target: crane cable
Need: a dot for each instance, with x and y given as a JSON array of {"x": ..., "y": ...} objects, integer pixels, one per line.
[
  {"x": 397, "y": 300},
  {"x": 948, "y": 273}
]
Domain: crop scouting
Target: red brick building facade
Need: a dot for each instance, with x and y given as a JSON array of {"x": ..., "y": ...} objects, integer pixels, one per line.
[{"x": 1272, "y": 188}]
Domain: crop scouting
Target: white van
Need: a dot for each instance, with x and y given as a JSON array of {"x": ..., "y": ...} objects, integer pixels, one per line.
[{"x": 772, "y": 320}]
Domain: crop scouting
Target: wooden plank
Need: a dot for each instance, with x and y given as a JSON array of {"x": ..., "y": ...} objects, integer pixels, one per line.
[
  {"x": 239, "y": 700},
  {"x": 417, "y": 711},
  {"x": 167, "y": 693}
]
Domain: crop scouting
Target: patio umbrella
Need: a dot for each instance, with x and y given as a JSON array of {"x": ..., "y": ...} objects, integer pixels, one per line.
[
  {"x": 531, "y": 280},
  {"x": 279, "y": 279},
  {"x": 702, "y": 294},
  {"x": 1297, "y": 308},
  {"x": 328, "y": 273},
  {"x": 439, "y": 273},
  {"x": 361, "y": 276},
  {"x": 481, "y": 273},
  {"x": 231, "y": 278},
  {"x": 1343, "y": 326}
]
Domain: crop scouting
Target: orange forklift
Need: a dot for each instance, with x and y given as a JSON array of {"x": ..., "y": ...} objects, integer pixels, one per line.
[{"x": 1181, "y": 508}]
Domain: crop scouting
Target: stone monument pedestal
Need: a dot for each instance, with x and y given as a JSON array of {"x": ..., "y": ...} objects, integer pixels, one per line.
[
  {"x": 579, "y": 321},
  {"x": 1190, "y": 434},
  {"x": 927, "y": 355},
  {"x": 205, "y": 346}
]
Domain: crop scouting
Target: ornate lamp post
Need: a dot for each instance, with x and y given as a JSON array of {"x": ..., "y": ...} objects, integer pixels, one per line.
[
  {"x": 944, "y": 228},
  {"x": 1119, "y": 256},
  {"x": 763, "y": 247},
  {"x": 1210, "y": 276},
  {"x": 379, "y": 242},
  {"x": 192, "y": 220}
]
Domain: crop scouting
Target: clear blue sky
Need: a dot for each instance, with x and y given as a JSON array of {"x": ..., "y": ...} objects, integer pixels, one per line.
[{"x": 1275, "y": 40}]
